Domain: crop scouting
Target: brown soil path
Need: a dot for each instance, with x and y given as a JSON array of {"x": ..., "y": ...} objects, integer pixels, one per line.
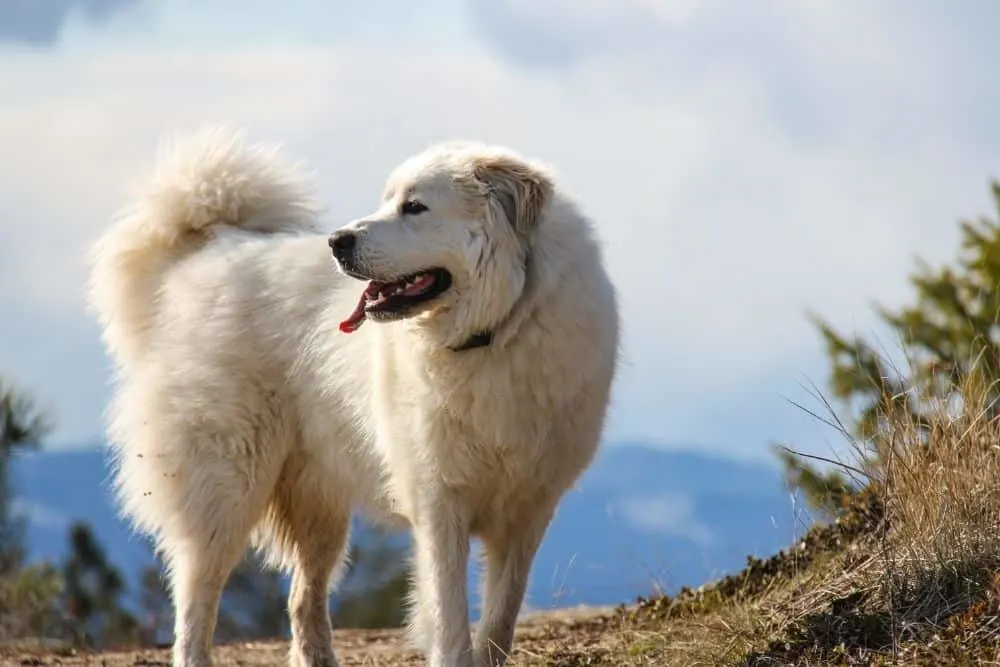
[{"x": 541, "y": 639}]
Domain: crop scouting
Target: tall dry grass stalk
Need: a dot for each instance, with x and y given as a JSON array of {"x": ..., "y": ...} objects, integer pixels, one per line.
[{"x": 938, "y": 472}]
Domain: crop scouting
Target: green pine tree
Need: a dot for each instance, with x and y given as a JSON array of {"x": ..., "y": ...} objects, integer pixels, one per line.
[
  {"x": 950, "y": 335},
  {"x": 22, "y": 428},
  {"x": 27, "y": 593},
  {"x": 93, "y": 594},
  {"x": 156, "y": 610}
]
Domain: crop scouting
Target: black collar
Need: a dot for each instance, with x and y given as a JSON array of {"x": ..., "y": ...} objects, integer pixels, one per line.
[{"x": 481, "y": 339}]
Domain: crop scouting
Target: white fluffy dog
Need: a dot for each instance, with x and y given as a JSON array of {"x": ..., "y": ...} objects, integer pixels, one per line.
[{"x": 250, "y": 411}]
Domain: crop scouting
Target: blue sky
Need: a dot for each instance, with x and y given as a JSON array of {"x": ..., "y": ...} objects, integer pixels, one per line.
[{"x": 744, "y": 162}]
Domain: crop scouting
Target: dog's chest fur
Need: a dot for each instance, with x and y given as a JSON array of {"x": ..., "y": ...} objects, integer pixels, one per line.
[{"x": 482, "y": 421}]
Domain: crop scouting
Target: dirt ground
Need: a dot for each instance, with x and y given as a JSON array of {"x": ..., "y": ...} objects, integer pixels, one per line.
[{"x": 541, "y": 638}]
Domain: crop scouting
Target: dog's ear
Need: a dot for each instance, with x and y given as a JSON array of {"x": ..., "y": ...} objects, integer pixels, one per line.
[{"x": 520, "y": 190}]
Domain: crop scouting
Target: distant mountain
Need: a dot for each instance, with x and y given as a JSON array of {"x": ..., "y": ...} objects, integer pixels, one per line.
[{"x": 642, "y": 518}]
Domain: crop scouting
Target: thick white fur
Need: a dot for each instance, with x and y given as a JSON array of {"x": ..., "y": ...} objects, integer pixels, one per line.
[{"x": 242, "y": 413}]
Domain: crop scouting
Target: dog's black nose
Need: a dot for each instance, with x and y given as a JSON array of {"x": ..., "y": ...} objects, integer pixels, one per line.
[{"x": 342, "y": 243}]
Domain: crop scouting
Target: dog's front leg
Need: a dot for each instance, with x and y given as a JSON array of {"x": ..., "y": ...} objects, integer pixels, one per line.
[
  {"x": 509, "y": 552},
  {"x": 441, "y": 604}
]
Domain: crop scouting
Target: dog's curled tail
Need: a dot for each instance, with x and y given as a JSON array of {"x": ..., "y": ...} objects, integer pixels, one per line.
[{"x": 201, "y": 182}]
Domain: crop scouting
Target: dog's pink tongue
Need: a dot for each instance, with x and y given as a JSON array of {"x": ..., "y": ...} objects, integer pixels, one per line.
[{"x": 357, "y": 317}]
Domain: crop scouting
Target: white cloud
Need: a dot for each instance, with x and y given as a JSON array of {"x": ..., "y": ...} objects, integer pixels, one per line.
[
  {"x": 739, "y": 172},
  {"x": 664, "y": 514}
]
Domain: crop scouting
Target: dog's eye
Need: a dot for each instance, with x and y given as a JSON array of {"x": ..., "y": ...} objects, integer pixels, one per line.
[{"x": 412, "y": 208}]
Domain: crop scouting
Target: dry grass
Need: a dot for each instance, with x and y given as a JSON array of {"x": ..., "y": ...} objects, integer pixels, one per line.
[
  {"x": 941, "y": 487},
  {"x": 908, "y": 574}
]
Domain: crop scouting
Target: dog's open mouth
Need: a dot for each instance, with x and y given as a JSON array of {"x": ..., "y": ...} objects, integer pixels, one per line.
[{"x": 388, "y": 300}]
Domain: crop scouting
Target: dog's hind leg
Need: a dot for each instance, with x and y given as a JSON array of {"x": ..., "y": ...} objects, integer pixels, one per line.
[
  {"x": 222, "y": 500},
  {"x": 309, "y": 602},
  {"x": 198, "y": 574},
  {"x": 309, "y": 521}
]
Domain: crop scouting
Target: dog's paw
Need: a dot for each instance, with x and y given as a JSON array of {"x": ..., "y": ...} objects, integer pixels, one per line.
[{"x": 300, "y": 656}]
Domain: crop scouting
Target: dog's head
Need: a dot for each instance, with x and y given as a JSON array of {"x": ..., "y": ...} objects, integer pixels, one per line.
[{"x": 449, "y": 242}]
